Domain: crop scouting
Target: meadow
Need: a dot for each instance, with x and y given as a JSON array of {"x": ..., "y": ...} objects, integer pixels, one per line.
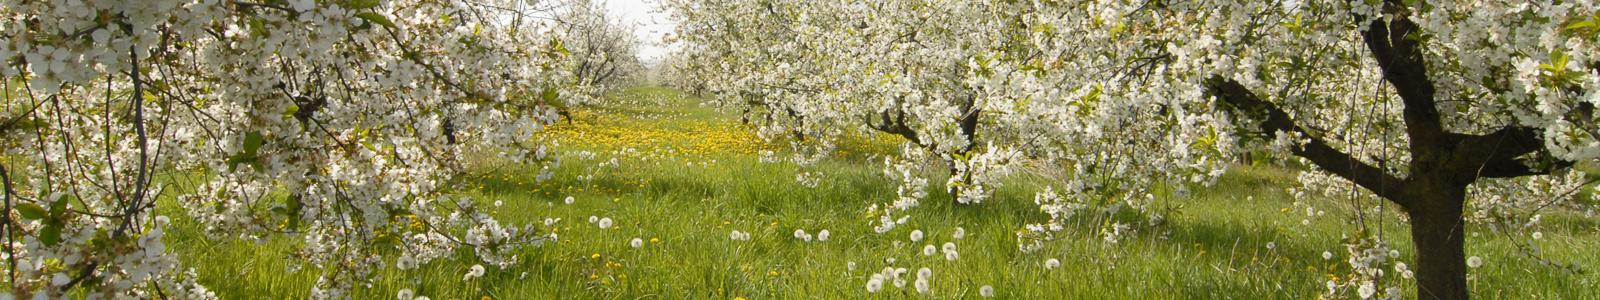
[{"x": 681, "y": 178}]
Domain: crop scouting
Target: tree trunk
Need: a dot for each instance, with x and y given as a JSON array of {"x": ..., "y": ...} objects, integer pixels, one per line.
[{"x": 1437, "y": 235}]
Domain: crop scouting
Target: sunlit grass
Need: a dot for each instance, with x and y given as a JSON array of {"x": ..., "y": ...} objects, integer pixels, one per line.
[{"x": 695, "y": 176}]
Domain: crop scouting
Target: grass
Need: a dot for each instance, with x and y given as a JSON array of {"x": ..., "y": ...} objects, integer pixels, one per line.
[{"x": 694, "y": 175}]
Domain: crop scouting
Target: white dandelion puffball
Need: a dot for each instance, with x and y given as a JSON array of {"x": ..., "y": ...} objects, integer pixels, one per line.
[
  {"x": 806, "y": 238},
  {"x": 1052, "y": 264},
  {"x": 922, "y": 286},
  {"x": 924, "y": 273},
  {"x": 475, "y": 272},
  {"x": 949, "y": 247},
  {"x": 605, "y": 223},
  {"x": 899, "y": 283},
  {"x": 636, "y": 243},
  {"x": 406, "y": 294},
  {"x": 734, "y": 235},
  {"x": 1474, "y": 262},
  {"x": 822, "y": 236},
  {"x": 1327, "y": 255},
  {"x": 929, "y": 250},
  {"x": 1538, "y": 235},
  {"x": 851, "y": 266},
  {"x": 405, "y": 262},
  {"x": 960, "y": 233},
  {"x": 889, "y": 260},
  {"x": 421, "y": 298},
  {"x": 799, "y": 233},
  {"x": 1272, "y": 245},
  {"x": 569, "y": 200},
  {"x": 916, "y": 236},
  {"x": 1394, "y": 253},
  {"x": 875, "y": 284},
  {"x": 951, "y": 256},
  {"x": 986, "y": 291},
  {"x": 593, "y": 219}
]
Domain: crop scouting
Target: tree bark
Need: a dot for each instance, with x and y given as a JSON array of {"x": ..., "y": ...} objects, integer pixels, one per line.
[{"x": 1437, "y": 236}]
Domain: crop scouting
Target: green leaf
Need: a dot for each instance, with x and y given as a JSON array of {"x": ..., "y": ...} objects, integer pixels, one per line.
[
  {"x": 1581, "y": 25},
  {"x": 376, "y": 18},
  {"x": 362, "y": 4},
  {"x": 257, "y": 27},
  {"x": 252, "y": 142},
  {"x": 550, "y": 95},
  {"x": 59, "y": 207},
  {"x": 31, "y": 211},
  {"x": 260, "y": 168},
  {"x": 50, "y": 235}
]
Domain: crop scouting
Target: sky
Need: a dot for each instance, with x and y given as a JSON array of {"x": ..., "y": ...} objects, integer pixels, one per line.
[{"x": 651, "y": 25}]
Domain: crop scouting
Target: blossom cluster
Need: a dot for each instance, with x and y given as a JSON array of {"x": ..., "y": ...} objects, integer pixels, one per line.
[{"x": 337, "y": 124}]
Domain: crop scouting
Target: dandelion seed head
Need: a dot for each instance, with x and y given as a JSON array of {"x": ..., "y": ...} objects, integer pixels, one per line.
[
  {"x": 916, "y": 236},
  {"x": 960, "y": 233},
  {"x": 929, "y": 250},
  {"x": 986, "y": 291},
  {"x": 605, "y": 223},
  {"x": 473, "y": 273},
  {"x": 636, "y": 243},
  {"x": 1052, "y": 264},
  {"x": 1475, "y": 262}
]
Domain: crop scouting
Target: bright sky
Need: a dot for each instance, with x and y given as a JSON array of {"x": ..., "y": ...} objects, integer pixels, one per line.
[{"x": 652, "y": 25}]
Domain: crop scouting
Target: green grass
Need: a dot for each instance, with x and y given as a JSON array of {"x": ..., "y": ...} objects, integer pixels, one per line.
[{"x": 1214, "y": 246}]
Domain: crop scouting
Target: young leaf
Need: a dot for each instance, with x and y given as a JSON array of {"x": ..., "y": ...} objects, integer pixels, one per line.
[
  {"x": 252, "y": 142},
  {"x": 362, "y": 4},
  {"x": 376, "y": 19},
  {"x": 31, "y": 211},
  {"x": 50, "y": 235}
]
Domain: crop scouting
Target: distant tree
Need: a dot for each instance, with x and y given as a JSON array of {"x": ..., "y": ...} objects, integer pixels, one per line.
[{"x": 604, "y": 51}]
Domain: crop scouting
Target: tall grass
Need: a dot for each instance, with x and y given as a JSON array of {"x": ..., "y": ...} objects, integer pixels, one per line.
[{"x": 696, "y": 176}]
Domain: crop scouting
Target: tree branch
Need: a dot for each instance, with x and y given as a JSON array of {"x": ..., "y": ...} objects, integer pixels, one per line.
[
  {"x": 1275, "y": 120},
  {"x": 1400, "y": 58}
]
